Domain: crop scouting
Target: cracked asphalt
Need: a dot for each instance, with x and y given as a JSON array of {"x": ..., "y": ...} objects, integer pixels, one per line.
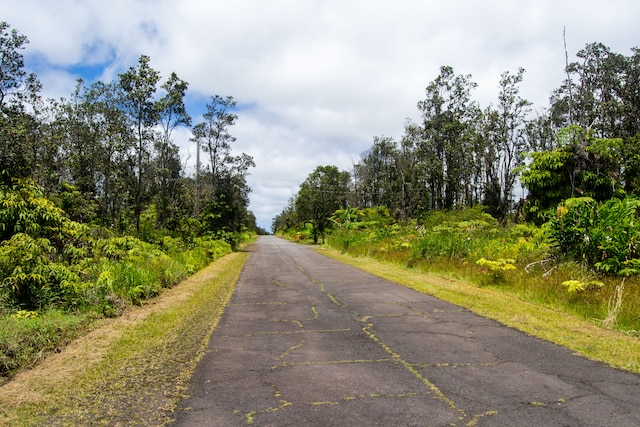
[{"x": 307, "y": 341}]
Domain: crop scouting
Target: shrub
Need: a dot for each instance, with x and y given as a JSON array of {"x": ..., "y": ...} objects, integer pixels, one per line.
[
  {"x": 605, "y": 236},
  {"x": 443, "y": 242}
]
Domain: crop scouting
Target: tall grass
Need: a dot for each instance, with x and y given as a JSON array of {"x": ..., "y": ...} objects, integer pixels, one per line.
[
  {"x": 450, "y": 244},
  {"x": 27, "y": 336}
]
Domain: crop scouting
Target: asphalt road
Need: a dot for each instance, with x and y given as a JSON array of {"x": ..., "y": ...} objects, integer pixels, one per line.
[{"x": 307, "y": 341}]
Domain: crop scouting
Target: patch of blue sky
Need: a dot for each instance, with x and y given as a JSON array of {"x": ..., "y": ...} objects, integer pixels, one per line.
[
  {"x": 90, "y": 73},
  {"x": 196, "y": 103}
]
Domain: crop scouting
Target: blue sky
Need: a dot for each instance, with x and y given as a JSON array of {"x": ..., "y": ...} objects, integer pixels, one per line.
[{"x": 316, "y": 79}]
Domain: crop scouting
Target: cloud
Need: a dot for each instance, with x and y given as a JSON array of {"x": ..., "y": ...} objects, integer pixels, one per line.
[{"x": 318, "y": 79}]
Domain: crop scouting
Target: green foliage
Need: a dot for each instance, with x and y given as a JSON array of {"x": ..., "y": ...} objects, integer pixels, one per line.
[
  {"x": 24, "y": 209},
  {"x": 604, "y": 236},
  {"x": 443, "y": 242},
  {"x": 547, "y": 183},
  {"x": 574, "y": 286},
  {"x": 29, "y": 277},
  {"x": 498, "y": 266},
  {"x": 321, "y": 194},
  {"x": 116, "y": 272},
  {"x": 76, "y": 174},
  {"x": 580, "y": 165}
]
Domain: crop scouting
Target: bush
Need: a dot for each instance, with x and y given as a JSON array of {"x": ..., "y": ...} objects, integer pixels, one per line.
[{"x": 605, "y": 236}]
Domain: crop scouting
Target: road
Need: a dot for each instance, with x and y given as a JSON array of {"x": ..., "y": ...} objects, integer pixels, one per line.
[{"x": 307, "y": 341}]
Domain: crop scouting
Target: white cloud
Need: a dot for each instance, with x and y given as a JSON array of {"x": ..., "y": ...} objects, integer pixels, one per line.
[{"x": 320, "y": 77}]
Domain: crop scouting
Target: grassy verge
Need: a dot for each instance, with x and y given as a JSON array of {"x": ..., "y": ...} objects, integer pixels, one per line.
[
  {"x": 612, "y": 347},
  {"x": 24, "y": 341},
  {"x": 131, "y": 370}
]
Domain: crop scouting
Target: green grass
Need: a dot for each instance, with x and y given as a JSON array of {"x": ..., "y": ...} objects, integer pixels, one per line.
[{"x": 28, "y": 336}]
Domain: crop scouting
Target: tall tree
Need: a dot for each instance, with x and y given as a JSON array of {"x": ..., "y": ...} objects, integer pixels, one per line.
[
  {"x": 17, "y": 89},
  {"x": 172, "y": 113},
  {"x": 377, "y": 174},
  {"x": 592, "y": 97},
  {"x": 225, "y": 207},
  {"x": 448, "y": 125},
  {"x": 506, "y": 134},
  {"x": 116, "y": 161},
  {"x": 16, "y": 85},
  {"x": 213, "y": 135},
  {"x": 138, "y": 86}
]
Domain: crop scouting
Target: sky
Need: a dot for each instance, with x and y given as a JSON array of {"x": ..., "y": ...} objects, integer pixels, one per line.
[{"x": 316, "y": 80}]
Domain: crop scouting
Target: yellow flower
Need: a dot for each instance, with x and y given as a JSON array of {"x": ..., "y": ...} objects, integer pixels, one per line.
[{"x": 562, "y": 211}]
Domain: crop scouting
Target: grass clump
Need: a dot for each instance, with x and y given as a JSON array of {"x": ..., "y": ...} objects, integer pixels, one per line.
[{"x": 27, "y": 336}]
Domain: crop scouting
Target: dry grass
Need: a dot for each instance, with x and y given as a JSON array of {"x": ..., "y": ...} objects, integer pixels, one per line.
[
  {"x": 129, "y": 370},
  {"x": 588, "y": 339}
]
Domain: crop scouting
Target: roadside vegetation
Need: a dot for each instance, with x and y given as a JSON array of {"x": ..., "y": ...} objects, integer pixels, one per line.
[
  {"x": 58, "y": 275},
  {"x": 524, "y": 260}
]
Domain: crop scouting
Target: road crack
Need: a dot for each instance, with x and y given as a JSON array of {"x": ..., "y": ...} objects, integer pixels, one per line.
[{"x": 413, "y": 369}]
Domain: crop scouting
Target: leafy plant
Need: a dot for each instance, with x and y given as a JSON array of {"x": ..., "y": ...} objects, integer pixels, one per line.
[
  {"x": 577, "y": 286},
  {"x": 497, "y": 267},
  {"x": 605, "y": 236}
]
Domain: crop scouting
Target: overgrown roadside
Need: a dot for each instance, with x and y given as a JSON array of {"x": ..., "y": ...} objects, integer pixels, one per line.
[
  {"x": 587, "y": 339},
  {"x": 131, "y": 370}
]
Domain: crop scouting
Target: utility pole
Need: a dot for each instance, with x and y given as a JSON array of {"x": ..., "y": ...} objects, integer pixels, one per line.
[{"x": 197, "y": 204}]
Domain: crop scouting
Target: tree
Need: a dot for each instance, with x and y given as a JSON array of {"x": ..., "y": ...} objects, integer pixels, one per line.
[
  {"x": 213, "y": 134},
  {"x": 285, "y": 219},
  {"x": 115, "y": 161},
  {"x": 226, "y": 206},
  {"x": 444, "y": 144},
  {"x": 172, "y": 113},
  {"x": 323, "y": 192},
  {"x": 17, "y": 126},
  {"x": 227, "y": 211},
  {"x": 16, "y": 85},
  {"x": 138, "y": 87},
  {"x": 593, "y": 96},
  {"x": 377, "y": 174},
  {"x": 505, "y": 132}
]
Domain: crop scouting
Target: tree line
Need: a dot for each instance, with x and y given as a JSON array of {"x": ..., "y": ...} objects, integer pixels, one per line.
[
  {"x": 517, "y": 163},
  {"x": 107, "y": 154}
]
